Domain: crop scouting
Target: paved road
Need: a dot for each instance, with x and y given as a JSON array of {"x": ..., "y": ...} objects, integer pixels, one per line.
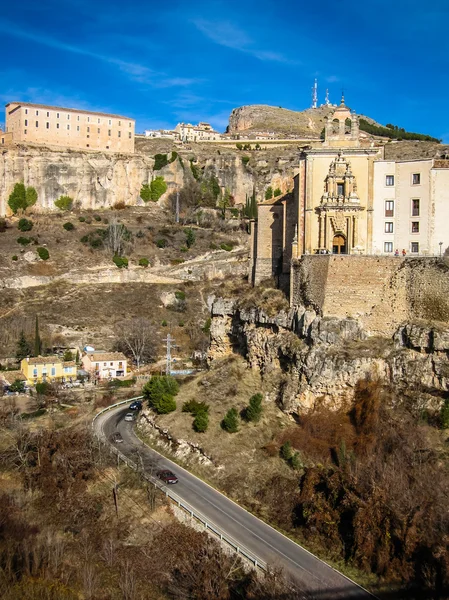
[{"x": 312, "y": 575}]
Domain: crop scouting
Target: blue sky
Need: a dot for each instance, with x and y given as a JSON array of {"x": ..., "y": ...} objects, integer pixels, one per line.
[{"x": 165, "y": 62}]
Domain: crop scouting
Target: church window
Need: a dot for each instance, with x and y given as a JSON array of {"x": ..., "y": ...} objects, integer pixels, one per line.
[
  {"x": 389, "y": 208},
  {"x": 416, "y": 178},
  {"x": 341, "y": 189},
  {"x": 414, "y": 247},
  {"x": 415, "y": 207},
  {"x": 388, "y": 247},
  {"x": 389, "y": 180},
  {"x": 348, "y": 124},
  {"x": 415, "y": 226},
  {"x": 389, "y": 227}
]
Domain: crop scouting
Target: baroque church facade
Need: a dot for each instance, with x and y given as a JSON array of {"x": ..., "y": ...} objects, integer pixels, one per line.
[{"x": 348, "y": 200}]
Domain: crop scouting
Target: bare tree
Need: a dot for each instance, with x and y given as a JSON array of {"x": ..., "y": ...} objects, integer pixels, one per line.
[
  {"x": 116, "y": 236},
  {"x": 137, "y": 337}
]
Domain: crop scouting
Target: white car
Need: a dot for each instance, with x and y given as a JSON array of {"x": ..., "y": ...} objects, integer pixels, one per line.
[{"x": 129, "y": 416}]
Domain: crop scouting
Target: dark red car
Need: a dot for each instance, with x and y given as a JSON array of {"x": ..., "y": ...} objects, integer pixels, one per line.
[{"x": 167, "y": 476}]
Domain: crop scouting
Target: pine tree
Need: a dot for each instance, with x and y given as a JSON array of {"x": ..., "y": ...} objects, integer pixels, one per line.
[
  {"x": 23, "y": 347},
  {"x": 201, "y": 421},
  {"x": 37, "y": 339},
  {"x": 254, "y": 410},
  {"x": 231, "y": 421}
]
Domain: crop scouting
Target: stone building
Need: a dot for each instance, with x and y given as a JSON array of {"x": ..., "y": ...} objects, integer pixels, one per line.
[
  {"x": 69, "y": 127},
  {"x": 348, "y": 200},
  {"x": 202, "y": 132}
]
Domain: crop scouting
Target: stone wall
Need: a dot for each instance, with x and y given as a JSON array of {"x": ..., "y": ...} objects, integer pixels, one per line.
[{"x": 380, "y": 292}]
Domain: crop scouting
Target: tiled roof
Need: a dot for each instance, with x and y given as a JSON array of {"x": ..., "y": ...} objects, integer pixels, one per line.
[
  {"x": 44, "y": 360},
  {"x": 105, "y": 356},
  {"x": 11, "y": 376},
  {"x": 69, "y": 363},
  {"x": 75, "y": 110}
]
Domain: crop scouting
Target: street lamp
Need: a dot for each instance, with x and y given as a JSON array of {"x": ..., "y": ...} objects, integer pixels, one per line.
[{"x": 440, "y": 243}]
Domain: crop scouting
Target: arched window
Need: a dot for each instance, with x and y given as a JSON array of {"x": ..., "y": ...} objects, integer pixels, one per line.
[
  {"x": 335, "y": 126},
  {"x": 348, "y": 124}
]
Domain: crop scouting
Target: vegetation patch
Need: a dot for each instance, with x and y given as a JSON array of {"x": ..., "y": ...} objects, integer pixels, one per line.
[
  {"x": 43, "y": 253},
  {"x": 64, "y": 203}
]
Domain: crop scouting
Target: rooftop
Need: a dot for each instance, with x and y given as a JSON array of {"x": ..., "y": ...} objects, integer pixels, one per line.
[
  {"x": 105, "y": 356},
  {"x": 75, "y": 110}
]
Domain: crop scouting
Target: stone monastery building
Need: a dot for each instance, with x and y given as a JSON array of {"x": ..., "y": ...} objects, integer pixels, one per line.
[
  {"x": 348, "y": 200},
  {"x": 68, "y": 127}
]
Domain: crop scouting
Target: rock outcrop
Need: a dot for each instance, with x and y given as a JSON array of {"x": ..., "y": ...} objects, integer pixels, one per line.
[{"x": 320, "y": 360}]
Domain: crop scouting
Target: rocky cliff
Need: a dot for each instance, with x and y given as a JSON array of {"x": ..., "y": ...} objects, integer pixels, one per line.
[
  {"x": 259, "y": 117},
  {"x": 318, "y": 359},
  {"x": 99, "y": 180}
]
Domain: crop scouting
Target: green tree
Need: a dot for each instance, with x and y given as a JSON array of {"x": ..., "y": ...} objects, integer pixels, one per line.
[
  {"x": 68, "y": 355},
  {"x": 69, "y": 226},
  {"x": 225, "y": 202},
  {"x": 277, "y": 192},
  {"x": 296, "y": 462},
  {"x": 159, "y": 386},
  {"x": 43, "y": 388},
  {"x": 145, "y": 192},
  {"x": 164, "y": 404},
  {"x": 64, "y": 203},
  {"x": 158, "y": 187},
  {"x": 201, "y": 422},
  {"x": 268, "y": 193},
  {"x": 17, "y": 198},
  {"x": 37, "y": 339},
  {"x": 23, "y": 347},
  {"x": 254, "y": 410},
  {"x": 230, "y": 422},
  {"x": 120, "y": 261},
  {"x": 190, "y": 237},
  {"x": 144, "y": 262},
  {"x": 160, "y": 161},
  {"x": 30, "y": 196},
  {"x": 17, "y": 386}
]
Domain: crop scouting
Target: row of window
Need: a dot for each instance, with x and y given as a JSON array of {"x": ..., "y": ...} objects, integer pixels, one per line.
[
  {"x": 414, "y": 248},
  {"x": 111, "y": 364},
  {"x": 416, "y": 179},
  {"x": 389, "y": 227},
  {"x": 78, "y": 118},
  {"x": 119, "y": 133},
  {"x": 389, "y": 207},
  {"x": 53, "y": 371}
]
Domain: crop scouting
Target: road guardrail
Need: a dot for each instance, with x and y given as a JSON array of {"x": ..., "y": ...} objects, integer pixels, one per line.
[{"x": 209, "y": 525}]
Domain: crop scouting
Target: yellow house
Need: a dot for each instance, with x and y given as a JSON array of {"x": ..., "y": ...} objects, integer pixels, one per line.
[{"x": 48, "y": 368}]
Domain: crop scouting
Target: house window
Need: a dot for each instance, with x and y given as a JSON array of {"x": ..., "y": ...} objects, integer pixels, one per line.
[
  {"x": 119, "y": 123},
  {"x": 99, "y": 120},
  {"x": 77, "y": 127},
  {"x": 109, "y": 122},
  {"x": 26, "y": 111},
  {"x": 120, "y": 365},
  {"x": 48, "y": 125},
  {"x": 97, "y": 365},
  {"x": 389, "y": 208},
  {"x": 416, "y": 178},
  {"x": 415, "y": 207},
  {"x": 388, "y": 227},
  {"x": 98, "y": 130},
  {"x": 53, "y": 371},
  {"x": 68, "y": 117},
  {"x": 414, "y": 247},
  {"x": 130, "y": 124},
  {"x": 37, "y": 113},
  {"x": 88, "y": 119},
  {"x": 57, "y": 115},
  {"x": 78, "y": 118},
  {"x": 48, "y": 114},
  {"x": 111, "y": 364},
  {"x": 37, "y": 123},
  {"x": 340, "y": 189},
  {"x": 57, "y": 125},
  {"x": 26, "y": 122},
  {"x": 68, "y": 126},
  {"x": 129, "y": 135},
  {"x": 34, "y": 372},
  {"x": 388, "y": 247},
  {"x": 389, "y": 180},
  {"x": 88, "y": 129},
  {"x": 109, "y": 132},
  {"x": 119, "y": 134},
  {"x": 415, "y": 226},
  {"x": 25, "y": 131}
]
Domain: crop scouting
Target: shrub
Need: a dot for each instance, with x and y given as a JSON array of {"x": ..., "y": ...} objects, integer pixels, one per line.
[
  {"x": 97, "y": 218},
  {"x": 254, "y": 410},
  {"x": 164, "y": 323},
  {"x": 14, "y": 257},
  {"x": 23, "y": 241},
  {"x": 234, "y": 212},
  {"x": 3, "y": 225},
  {"x": 228, "y": 247},
  {"x": 180, "y": 295},
  {"x": 160, "y": 392},
  {"x": 190, "y": 237},
  {"x": 201, "y": 422},
  {"x": 120, "y": 261},
  {"x": 17, "y": 386},
  {"x": 43, "y": 253},
  {"x": 160, "y": 161},
  {"x": 184, "y": 249},
  {"x": 30, "y": 196},
  {"x": 69, "y": 226},
  {"x": 119, "y": 205},
  {"x": 154, "y": 190},
  {"x": 88, "y": 220},
  {"x": 165, "y": 404},
  {"x": 268, "y": 193},
  {"x": 230, "y": 422},
  {"x": 239, "y": 146},
  {"x": 286, "y": 451},
  {"x": 161, "y": 243},
  {"x": 81, "y": 219},
  {"x": 144, "y": 262},
  {"x": 25, "y": 225},
  {"x": 245, "y": 160},
  {"x": 194, "y": 407},
  {"x": 296, "y": 462},
  {"x": 43, "y": 388},
  {"x": 64, "y": 203},
  {"x": 277, "y": 192}
]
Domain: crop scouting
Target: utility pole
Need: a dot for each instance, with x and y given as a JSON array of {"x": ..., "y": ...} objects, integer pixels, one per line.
[{"x": 169, "y": 341}]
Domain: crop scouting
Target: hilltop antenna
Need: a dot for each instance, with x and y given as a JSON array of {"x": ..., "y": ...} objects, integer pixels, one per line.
[
  {"x": 315, "y": 94},
  {"x": 169, "y": 340},
  {"x": 326, "y": 102}
]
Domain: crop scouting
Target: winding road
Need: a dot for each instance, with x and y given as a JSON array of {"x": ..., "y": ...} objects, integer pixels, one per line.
[{"x": 318, "y": 580}]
